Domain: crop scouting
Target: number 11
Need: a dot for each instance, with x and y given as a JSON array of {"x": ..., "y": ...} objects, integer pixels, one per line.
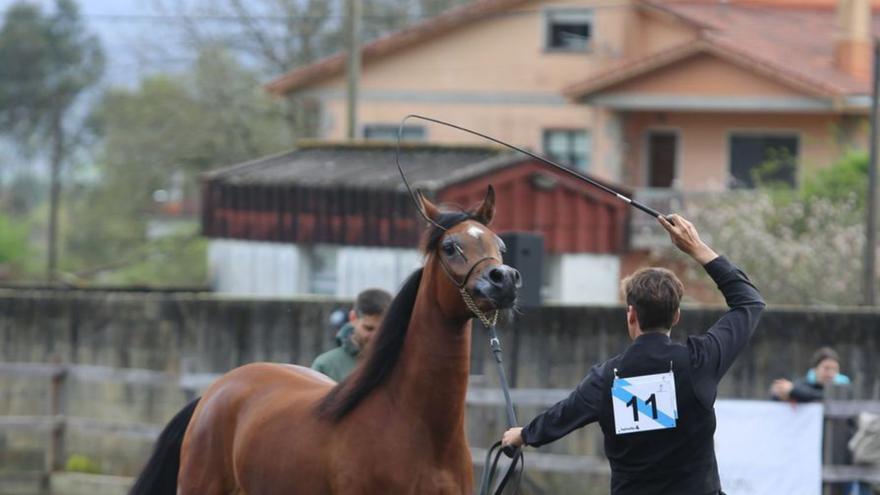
[{"x": 634, "y": 403}]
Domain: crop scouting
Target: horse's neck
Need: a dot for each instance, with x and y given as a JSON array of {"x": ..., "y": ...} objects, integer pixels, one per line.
[{"x": 431, "y": 379}]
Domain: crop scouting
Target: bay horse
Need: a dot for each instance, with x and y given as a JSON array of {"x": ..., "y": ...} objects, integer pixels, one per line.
[{"x": 395, "y": 426}]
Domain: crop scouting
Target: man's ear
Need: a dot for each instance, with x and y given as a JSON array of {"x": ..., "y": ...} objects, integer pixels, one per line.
[
  {"x": 352, "y": 316},
  {"x": 631, "y": 316},
  {"x": 676, "y": 318},
  {"x": 429, "y": 208},
  {"x": 486, "y": 212}
]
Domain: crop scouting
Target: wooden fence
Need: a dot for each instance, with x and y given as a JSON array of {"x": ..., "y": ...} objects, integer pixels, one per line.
[{"x": 59, "y": 423}]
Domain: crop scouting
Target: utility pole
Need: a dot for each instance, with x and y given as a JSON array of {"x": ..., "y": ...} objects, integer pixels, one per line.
[
  {"x": 870, "y": 271},
  {"x": 353, "y": 65}
]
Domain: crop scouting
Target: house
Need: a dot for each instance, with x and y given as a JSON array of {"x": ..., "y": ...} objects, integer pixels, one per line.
[
  {"x": 335, "y": 218},
  {"x": 668, "y": 95},
  {"x": 663, "y": 97}
]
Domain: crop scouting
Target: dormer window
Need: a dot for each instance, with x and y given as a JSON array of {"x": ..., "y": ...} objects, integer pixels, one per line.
[{"x": 568, "y": 30}]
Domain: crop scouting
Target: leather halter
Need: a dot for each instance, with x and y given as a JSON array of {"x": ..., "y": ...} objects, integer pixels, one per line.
[{"x": 461, "y": 286}]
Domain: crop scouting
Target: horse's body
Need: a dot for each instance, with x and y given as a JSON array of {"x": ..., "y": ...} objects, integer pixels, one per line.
[
  {"x": 396, "y": 426},
  {"x": 407, "y": 436}
]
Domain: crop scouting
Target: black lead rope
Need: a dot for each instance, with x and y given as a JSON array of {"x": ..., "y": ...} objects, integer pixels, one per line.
[{"x": 493, "y": 455}]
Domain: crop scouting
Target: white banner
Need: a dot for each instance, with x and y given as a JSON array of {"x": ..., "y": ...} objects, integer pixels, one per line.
[{"x": 769, "y": 448}]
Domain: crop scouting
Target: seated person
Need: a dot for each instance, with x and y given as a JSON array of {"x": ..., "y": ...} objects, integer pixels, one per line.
[
  {"x": 353, "y": 337},
  {"x": 825, "y": 370}
]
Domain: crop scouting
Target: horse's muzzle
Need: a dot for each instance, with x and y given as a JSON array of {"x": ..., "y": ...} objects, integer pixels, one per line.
[{"x": 499, "y": 285}]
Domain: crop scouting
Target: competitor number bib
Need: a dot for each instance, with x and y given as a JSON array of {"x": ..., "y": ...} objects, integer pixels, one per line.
[{"x": 644, "y": 403}]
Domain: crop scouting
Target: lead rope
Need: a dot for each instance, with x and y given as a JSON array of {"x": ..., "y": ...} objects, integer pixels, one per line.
[{"x": 490, "y": 464}]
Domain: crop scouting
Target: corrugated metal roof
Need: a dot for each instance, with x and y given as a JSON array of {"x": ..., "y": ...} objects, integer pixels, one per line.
[{"x": 366, "y": 166}]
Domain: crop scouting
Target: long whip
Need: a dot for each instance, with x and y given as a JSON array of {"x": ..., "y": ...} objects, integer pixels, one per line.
[{"x": 647, "y": 209}]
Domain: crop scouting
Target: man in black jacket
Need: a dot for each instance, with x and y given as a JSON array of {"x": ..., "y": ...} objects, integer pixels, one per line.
[{"x": 655, "y": 401}]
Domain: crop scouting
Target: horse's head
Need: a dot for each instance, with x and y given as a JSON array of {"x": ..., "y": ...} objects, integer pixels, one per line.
[{"x": 470, "y": 256}]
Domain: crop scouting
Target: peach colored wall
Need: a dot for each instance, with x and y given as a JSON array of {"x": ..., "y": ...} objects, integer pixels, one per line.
[
  {"x": 796, "y": 3},
  {"x": 654, "y": 33},
  {"x": 493, "y": 61},
  {"x": 504, "y": 53},
  {"x": 521, "y": 125},
  {"x": 705, "y": 75},
  {"x": 502, "y": 56},
  {"x": 703, "y": 142}
]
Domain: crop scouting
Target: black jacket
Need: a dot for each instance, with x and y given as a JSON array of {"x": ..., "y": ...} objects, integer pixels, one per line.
[{"x": 674, "y": 461}]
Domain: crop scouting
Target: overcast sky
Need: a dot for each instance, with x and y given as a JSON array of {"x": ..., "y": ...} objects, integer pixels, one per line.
[{"x": 134, "y": 38}]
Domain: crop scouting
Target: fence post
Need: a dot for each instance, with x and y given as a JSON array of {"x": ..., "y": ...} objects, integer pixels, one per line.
[
  {"x": 58, "y": 412},
  {"x": 836, "y": 437}
]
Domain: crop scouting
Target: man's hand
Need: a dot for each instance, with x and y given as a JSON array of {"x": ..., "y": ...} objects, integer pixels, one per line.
[
  {"x": 782, "y": 388},
  {"x": 685, "y": 237},
  {"x": 513, "y": 437}
]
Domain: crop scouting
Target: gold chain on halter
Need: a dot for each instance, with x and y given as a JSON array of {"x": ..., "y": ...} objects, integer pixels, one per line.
[{"x": 469, "y": 302}]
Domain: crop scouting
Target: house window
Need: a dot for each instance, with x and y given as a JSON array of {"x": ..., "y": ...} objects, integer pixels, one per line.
[
  {"x": 568, "y": 29},
  {"x": 388, "y": 132},
  {"x": 570, "y": 147},
  {"x": 763, "y": 159}
]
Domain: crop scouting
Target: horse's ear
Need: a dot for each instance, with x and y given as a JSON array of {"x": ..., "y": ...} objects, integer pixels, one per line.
[
  {"x": 429, "y": 208},
  {"x": 486, "y": 211}
]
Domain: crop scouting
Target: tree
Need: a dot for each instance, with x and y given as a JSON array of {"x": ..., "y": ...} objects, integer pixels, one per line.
[
  {"x": 800, "y": 246},
  {"x": 276, "y": 36},
  {"x": 170, "y": 126},
  {"x": 47, "y": 62},
  {"x": 14, "y": 247},
  {"x": 848, "y": 177}
]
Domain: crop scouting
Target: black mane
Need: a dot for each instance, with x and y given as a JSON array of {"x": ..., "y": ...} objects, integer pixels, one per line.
[{"x": 388, "y": 342}]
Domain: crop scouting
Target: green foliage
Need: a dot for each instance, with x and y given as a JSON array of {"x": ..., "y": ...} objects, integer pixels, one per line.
[
  {"x": 776, "y": 171},
  {"x": 14, "y": 247},
  {"x": 23, "y": 194},
  {"x": 78, "y": 463},
  {"x": 179, "y": 260},
  {"x": 46, "y": 61},
  {"x": 846, "y": 179},
  {"x": 801, "y": 246},
  {"x": 214, "y": 116},
  {"x": 170, "y": 126}
]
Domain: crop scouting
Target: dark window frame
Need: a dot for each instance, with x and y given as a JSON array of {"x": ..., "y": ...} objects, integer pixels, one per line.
[
  {"x": 573, "y": 18},
  {"x": 771, "y": 142}
]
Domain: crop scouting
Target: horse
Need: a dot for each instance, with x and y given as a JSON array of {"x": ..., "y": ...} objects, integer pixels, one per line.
[{"x": 396, "y": 425}]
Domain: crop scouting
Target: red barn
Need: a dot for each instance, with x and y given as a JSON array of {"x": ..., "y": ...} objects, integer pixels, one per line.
[{"x": 324, "y": 217}]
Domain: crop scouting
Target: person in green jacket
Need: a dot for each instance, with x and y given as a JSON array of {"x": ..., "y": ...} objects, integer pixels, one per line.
[{"x": 363, "y": 321}]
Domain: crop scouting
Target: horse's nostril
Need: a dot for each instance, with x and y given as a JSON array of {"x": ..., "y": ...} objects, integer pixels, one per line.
[{"x": 496, "y": 276}]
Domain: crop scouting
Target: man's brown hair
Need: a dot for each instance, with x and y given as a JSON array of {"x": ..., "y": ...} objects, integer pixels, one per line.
[
  {"x": 372, "y": 302},
  {"x": 655, "y": 293}
]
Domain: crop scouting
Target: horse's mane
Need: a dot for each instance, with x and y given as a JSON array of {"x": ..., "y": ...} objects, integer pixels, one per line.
[{"x": 388, "y": 343}]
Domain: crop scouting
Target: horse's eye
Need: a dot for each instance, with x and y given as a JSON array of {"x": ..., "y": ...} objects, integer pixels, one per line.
[{"x": 448, "y": 248}]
